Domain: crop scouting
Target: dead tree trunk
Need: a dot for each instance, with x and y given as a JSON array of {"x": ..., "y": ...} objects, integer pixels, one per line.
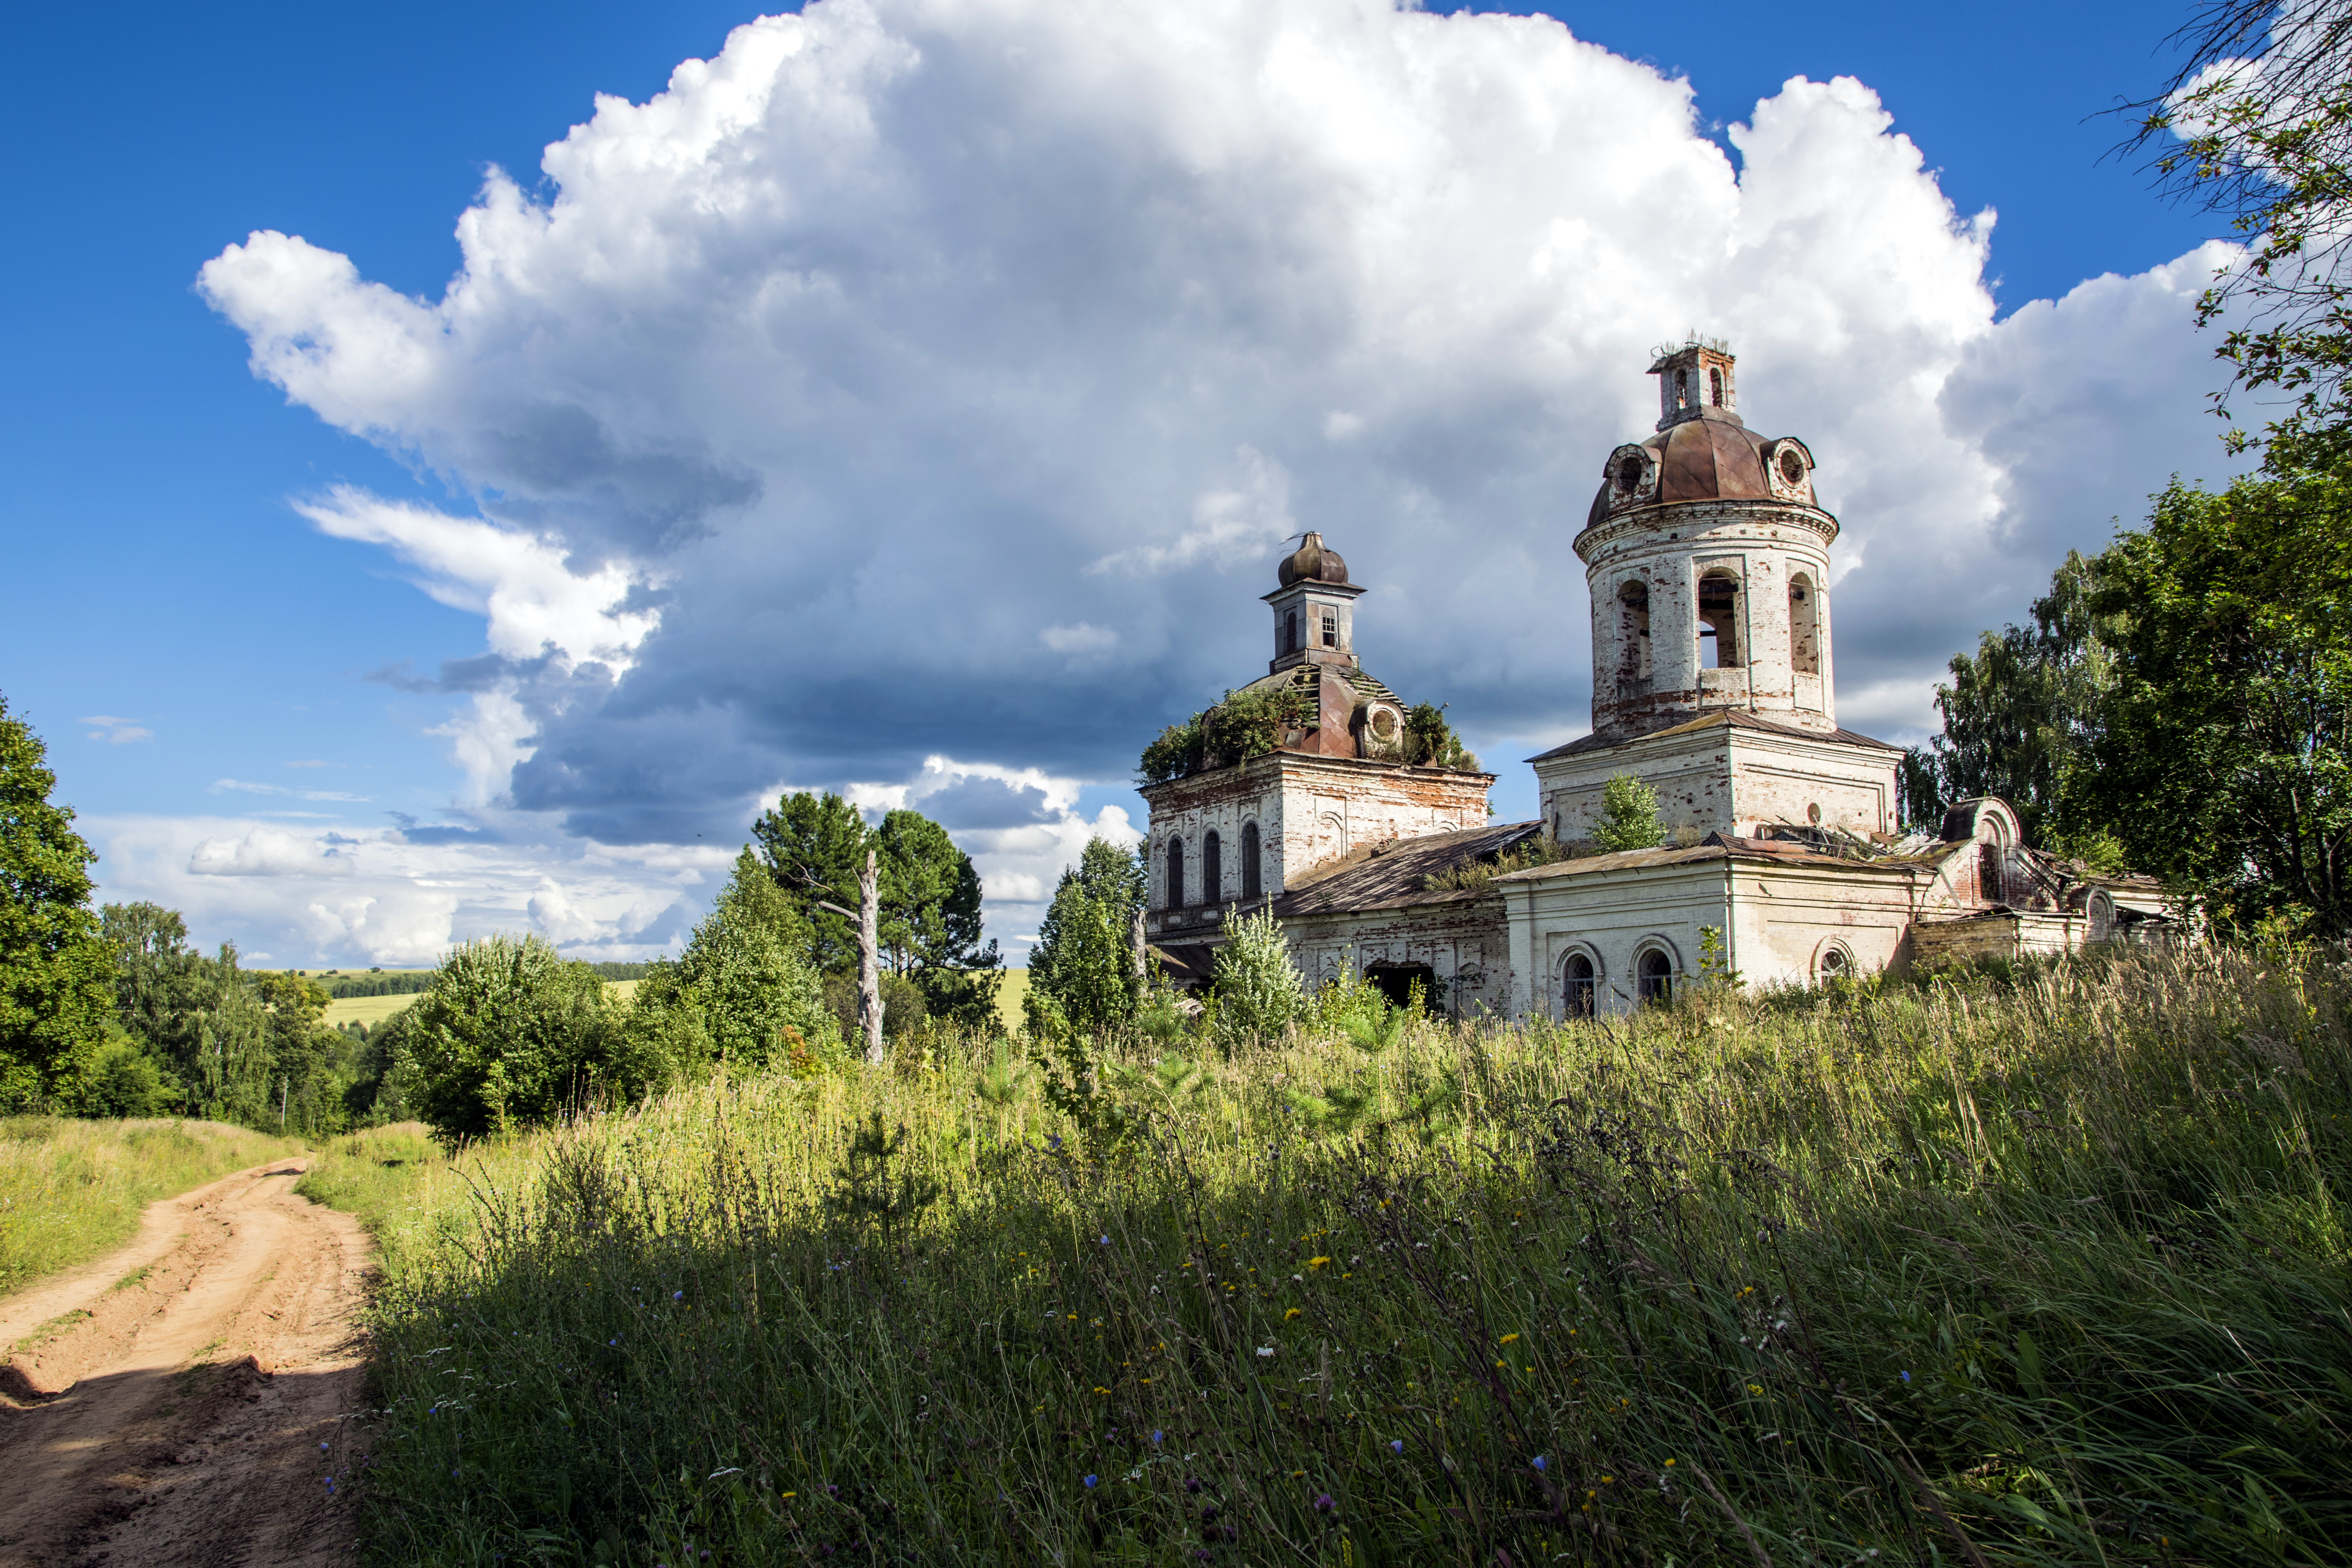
[
  {"x": 869, "y": 961},
  {"x": 1138, "y": 954}
]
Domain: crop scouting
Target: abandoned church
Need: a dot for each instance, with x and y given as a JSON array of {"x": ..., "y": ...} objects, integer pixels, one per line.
[{"x": 1361, "y": 824}]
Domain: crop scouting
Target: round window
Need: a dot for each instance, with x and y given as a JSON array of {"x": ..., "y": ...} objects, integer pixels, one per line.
[
  {"x": 1793, "y": 467},
  {"x": 1383, "y": 723},
  {"x": 1813, "y": 814},
  {"x": 1833, "y": 964}
]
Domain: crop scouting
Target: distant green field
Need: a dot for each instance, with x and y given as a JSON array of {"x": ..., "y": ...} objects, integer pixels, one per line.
[{"x": 373, "y": 1010}]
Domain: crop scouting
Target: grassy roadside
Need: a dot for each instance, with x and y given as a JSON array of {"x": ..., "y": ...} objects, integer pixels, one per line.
[
  {"x": 71, "y": 1189},
  {"x": 2047, "y": 1272},
  {"x": 396, "y": 1181}
]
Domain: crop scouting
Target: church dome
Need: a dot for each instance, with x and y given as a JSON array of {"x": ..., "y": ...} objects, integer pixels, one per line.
[
  {"x": 1710, "y": 458},
  {"x": 1311, "y": 563}
]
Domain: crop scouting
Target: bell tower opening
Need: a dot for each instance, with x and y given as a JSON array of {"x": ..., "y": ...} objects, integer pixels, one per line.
[
  {"x": 1718, "y": 620},
  {"x": 1633, "y": 638}
]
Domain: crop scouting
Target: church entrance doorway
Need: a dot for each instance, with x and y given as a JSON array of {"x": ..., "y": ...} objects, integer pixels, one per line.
[{"x": 1396, "y": 981}]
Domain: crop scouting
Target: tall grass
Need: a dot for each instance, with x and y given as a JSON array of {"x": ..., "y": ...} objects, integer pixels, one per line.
[
  {"x": 71, "y": 1189},
  {"x": 2042, "y": 1273}
]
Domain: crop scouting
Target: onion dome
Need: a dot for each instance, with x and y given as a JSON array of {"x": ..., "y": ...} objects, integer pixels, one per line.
[{"x": 1311, "y": 563}]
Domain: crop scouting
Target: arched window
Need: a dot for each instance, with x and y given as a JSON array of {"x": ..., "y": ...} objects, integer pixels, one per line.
[
  {"x": 1175, "y": 873},
  {"x": 1633, "y": 635},
  {"x": 1715, "y": 387},
  {"x": 1682, "y": 389},
  {"x": 1576, "y": 988},
  {"x": 1654, "y": 977},
  {"x": 1253, "y": 884},
  {"x": 1718, "y": 621},
  {"x": 1290, "y": 632},
  {"x": 1804, "y": 626},
  {"x": 1835, "y": 963},
  {"x": 1212, "y": 870},
  {"x": 1988, "y": 886}
]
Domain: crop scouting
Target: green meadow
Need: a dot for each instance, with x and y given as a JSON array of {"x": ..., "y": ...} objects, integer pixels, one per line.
[{"x": 2034, "y": 1266}]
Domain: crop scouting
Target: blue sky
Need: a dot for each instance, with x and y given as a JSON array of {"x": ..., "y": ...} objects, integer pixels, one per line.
[{"x": 263, "y": 719}]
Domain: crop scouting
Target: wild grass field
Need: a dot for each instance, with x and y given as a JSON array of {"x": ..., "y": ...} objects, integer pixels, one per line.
[
  {"x": 70, "y": 1189},
  {"x": 2048, "y": 1268}
]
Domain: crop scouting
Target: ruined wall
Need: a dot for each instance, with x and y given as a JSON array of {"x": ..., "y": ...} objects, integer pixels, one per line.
[
  {"x": 1788, "y": 921},
  {"x": 1720, "y": 779},
  {"x": 1467, "y": 946},
  {"x": 1761, "y": 551},
  {"x": 1307, "y": 809}
]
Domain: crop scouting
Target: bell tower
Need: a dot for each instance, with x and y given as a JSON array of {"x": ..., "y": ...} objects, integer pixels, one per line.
[{"x": 1707, "y": 556}]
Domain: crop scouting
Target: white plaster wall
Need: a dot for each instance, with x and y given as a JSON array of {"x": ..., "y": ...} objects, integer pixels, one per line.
[
  {"x": 1612, "y": 916},
  {"x": 1784, "y": 916},
  {"x": 1720, "y": 779}
]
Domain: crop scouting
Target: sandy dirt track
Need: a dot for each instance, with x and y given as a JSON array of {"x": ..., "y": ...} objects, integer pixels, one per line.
[{"x": 168, "y": 1404}]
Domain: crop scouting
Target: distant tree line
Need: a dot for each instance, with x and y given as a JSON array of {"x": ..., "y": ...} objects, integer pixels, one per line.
[{"x": 113, "y": 1012}]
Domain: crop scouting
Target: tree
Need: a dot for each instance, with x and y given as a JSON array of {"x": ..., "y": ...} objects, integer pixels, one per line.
[
  {"x": 2019, "y": 711},
  {"x": 57, "y": 973},
  {"x": 1258, "y": 990},
  {"x": 813, "y": 846},
  {"x": 509, "y": 1037},
  {"x": 163, "y": 987},
  {"x": 930, "y": 920},
  {"x": 2219, "y": 760},
  {"x": 1084, "y": 960},
  {"x": 2257, "y": 123},
  {"x": 1629, "y": 816},
  {"x": 736, "y": 991}
]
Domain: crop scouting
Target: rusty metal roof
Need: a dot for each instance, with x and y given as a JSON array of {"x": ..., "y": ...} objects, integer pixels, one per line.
[
  {"x": 1388, "y": 876},
  {"x": 1728, "y": 718}
]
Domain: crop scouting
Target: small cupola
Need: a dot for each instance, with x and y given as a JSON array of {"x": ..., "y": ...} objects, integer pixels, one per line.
[
  {"x": 1695, "y": 381},
  {"x": 1314, "y": 607}
]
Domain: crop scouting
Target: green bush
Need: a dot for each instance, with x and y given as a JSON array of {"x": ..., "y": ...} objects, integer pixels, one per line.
[
  {"x": 510, "y": 1036},
  {"x": 1258, "y": 990}
]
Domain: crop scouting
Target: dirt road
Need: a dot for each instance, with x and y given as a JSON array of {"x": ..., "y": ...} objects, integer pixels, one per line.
[{"x": 184, "y": 1401}]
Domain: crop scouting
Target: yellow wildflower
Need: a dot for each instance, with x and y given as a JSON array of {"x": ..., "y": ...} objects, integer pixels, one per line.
[{"x": 1508, "y": 1338}]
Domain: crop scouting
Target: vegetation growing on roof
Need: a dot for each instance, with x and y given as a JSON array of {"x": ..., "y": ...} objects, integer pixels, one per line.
[
  {"x": 1245, "y": 724},
  {"x": 1542, "y": 849}
]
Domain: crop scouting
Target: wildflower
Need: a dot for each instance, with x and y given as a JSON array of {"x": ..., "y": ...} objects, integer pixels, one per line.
[
  {"x": 1264, "y": 1350},
  {"x": 1508, "y": 1338},
  {"x": 1538, "y": 1463},
  {"x": 1290, "y": 1314},
  {"x": 1396, "y": 1445},
  {"x": 1670, "y": 1464},
  {"x": 1102, "y": 1391},
  {"x": 677, "y": 1295},
  {"x": 322, "y": 1448},
  {"x": 1906, "y": 1377},
  {"x": 1316, "y": 1262},
  {"x": 1090, "y": 1482},
  {"x": 1054, "y": 1142},
  {"x": 1155, "y": 1434},
  {"x": 1191, "y": 1483},
  {"x": 1106, "y": 1241},
  {"x": 1324, "y": 1503}
]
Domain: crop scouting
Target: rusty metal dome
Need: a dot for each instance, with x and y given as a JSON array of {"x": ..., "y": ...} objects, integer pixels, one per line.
[
  {"x": 1716, "y": 459},
  {"x": 1311, "y": 563}
]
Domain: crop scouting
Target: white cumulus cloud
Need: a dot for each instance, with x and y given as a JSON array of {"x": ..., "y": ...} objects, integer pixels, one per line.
[{"x": 809, "y": 390}]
